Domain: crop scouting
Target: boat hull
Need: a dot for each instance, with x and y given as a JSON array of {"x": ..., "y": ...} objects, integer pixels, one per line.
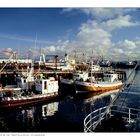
[
  {"x": 82, "y": 87},
  {"x": 67, "y": 87},
  {"x": 27, "y": 101},
  {"x": 67, "y": 82}
]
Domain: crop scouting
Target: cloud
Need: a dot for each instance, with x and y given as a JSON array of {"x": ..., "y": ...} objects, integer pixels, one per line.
[
  {"x": 96, "y": 35},
  {"x": 117, "y": 51},
  {"x": 91, "y": 37},
  {"x": 100, "y": 13},
  {"x": 103, "y": 13},
  {"x": 112, "y": 24},
  {"x": 118, "y": 23},
  {"x": 126, "y": 49},
  {"x": 58, "y": 47},
  {"x": 127, "y": 44},
  {"x": 51, "y": 48}
]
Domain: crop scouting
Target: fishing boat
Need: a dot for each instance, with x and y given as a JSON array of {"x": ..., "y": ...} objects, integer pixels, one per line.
[
  {"x": 95, "y": 68},
  {"x": 25, "y": 81},
  {"x": 68, "y": 85},
  {"x": 75, "y": 76},
  {"x": 109, "y": 81},
  {"x": 45, "y": 89},
  {"x": 80, "y": 76},
  {"x": 30, "y": 89}
]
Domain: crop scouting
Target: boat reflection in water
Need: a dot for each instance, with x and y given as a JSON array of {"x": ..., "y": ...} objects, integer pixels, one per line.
[
  {"x": 66, "y": 115},
  {"x": 27, "y": 117},
  {"x": 89, "y": 97},
  {"x": 94, "y": 100},
  {"x": 49, "y": 109}
]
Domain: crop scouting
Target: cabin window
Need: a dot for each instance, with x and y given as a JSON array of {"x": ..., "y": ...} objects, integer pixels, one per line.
[{"x": 45, "y": 85}]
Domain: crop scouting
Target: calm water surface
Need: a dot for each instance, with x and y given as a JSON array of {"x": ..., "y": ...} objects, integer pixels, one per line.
[{"x": 66, "y": 115}]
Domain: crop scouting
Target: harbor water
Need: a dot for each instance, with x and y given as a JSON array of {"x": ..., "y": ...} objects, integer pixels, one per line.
[{"x": 64, "y": 115}]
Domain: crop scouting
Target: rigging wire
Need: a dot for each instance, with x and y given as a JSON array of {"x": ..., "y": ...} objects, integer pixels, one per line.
[
  {"x": 6, "y": 63},
  {"x": 127, "y": 84},
  {"x": 127, "y": 93}
]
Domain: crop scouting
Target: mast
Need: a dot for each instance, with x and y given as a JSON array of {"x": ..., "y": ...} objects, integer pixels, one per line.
[
  {"x": 91, "y": 68},
  {"x": 34, "y": 49}
]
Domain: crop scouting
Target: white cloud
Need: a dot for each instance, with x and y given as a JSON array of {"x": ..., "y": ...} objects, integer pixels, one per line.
[
  {"x": 91, "y": 37},
  {"x": 119, "y": 22},
  {"x": 58, "y": 47},
  {"x": 105, "y": 13},
  {"x": 96, "y": 34},
  {"x": 101, "y": 13},
  {"x": 138, "y": 43},
  {"x": 126, "y": 49},
  {"x": 117, "y": 51},
  {"x": 51, "y": 48},
  {"x": 127, "y": 44}
]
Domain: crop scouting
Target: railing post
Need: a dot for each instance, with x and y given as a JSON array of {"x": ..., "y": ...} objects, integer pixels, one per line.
[
  {"x": 108, "y": 113},
  {"x": 129, "y": 116}
]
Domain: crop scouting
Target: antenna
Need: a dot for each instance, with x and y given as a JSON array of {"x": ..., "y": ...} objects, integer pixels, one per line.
[
  {"x": 35, "y": 40},
  {"x": 33, "y": 52}
]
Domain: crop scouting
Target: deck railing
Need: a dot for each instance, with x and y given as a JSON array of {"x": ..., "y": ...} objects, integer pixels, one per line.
[
  {"x": 129, "y": 114},
  {"x": 93, "y": 120}
]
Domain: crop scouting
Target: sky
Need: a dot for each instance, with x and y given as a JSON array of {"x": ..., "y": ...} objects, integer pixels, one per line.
[{"x": 113, "y": 33}]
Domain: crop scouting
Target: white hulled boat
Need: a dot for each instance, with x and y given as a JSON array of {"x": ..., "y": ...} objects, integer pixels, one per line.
[{"x": 110, "y": 81}]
